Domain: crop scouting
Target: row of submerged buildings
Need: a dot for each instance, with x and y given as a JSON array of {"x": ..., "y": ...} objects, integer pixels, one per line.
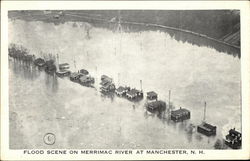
[{"x": 107, "y": 87}]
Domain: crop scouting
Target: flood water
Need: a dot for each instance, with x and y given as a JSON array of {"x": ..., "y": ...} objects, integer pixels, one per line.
[{"x": 81, "y": 118}]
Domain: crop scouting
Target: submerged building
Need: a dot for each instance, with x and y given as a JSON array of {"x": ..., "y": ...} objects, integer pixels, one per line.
[
  {"x": 122, "y": 91},
  {"x": 152, "y": 95},
  {"x": 206, "y": 129},
  {"x": 39, "y": 62},
  {"x": 84, "y": 72},
  {"x": 233, "y": 139},
  {"x": 63, "y": 70},
  {"x": 106, "y": 78},
  {"x": 106, "y": 84},
  {"x": 180, "y": 115},
  {"x": 64, "y": 66},
  {"x": 50, "y": 67},
  {"x": 134, "y": 94},
  {"x": 63, "y": 73},
  {"x": 75, "y": 76},
  {"x": 156, "y": 106},
  {"x": 86, "y": 80}
]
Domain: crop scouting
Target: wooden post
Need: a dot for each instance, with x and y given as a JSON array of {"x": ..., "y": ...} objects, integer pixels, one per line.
[
  {"x": 57, "y": 60},
  {"x": 141, "y": 84},
  {"x": 205, "y": 104},
  {"x": 118, "y": 79},
  {"x": 88, "y": 36},
  {"x": 169, "y": 94},
  {"x": 96, "y": 77},
  {"x": 75, "y": 63}
]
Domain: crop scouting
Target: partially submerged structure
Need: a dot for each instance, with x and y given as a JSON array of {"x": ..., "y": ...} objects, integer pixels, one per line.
[
  {"x": 50, "y": 67},
  {"x": 39, "y": 62},
  {"x": 156, "y": 106},
  {"x": 63, "y": 70},
  {"x": 86, "y": 80},
  {"x": 152, "y": 95},
  {"x": 63, "y": 73},
  {"x": 180, "y": 115},
  {"x": 83, "y": 79},
  {"x": 122, "y": 91},
  {"x": 107, "y": 87},
  {"x": 106, "y": 78},
  {"x": 233, "y": 139},
  {"x": 17, "y": 52},
  {"x": 64, "y": 66},
  {"x": 106, "y": 84},
  {"x": 206, "y": 128},
  {"x": 134, "y": 94},
  {"x": 84, "y": 72},
  {"x": 75, "y": 76},
  {"x": 28, "y": 58}
]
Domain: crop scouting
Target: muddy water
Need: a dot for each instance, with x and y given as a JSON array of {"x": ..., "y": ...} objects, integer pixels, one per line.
[{"x": 81, "y": 118}]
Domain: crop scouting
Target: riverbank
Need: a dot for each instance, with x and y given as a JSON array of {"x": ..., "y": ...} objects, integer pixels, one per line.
[{"x": 110, "y": 20}]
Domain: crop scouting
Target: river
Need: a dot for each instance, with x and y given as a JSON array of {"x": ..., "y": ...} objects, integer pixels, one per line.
[{"x": 81, "y": 118}]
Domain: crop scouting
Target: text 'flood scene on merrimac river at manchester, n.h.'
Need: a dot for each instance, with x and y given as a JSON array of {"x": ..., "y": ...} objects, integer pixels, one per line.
[{"x": 124, "y": 79}]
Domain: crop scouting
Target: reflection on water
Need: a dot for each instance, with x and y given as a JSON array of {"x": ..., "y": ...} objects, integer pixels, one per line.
[
  {"x": 25, "y": 70},
  {"x": 51, "y": 82},
  {"x": 200, "y": 41},
  {"x": 59, "y": 113},
  {"x": 81, "y": 117},
  {"x": 177, "y": 35},
  {"x": 192, "y": 39}
]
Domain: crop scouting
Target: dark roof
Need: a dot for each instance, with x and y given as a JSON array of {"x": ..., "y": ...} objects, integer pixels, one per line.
[
  {"x": 133, "y": 92},
  {"x": 84, "y": 71},
  {"x": 180, "y": 111},
  {"x": 85, "y": 78},
  {"x": 151, "y": 94},
  {"x": 49, "y": 62},
  {"x": 103, "y": 82},
  {"x": 63, "y": 71},
  {"x": 104, "y": 77},
  {"x": 107, "y": 85},
  {"x": 39, "y": 60},
  {"x": 28, "y": 56},
  {"x": 233, "y": 131},
  {"x": 156, "y": 104},
  {"x": 63, "y": 64},
  {"x": 51, "y": 67},
  {"x": 120, "y": 89},
  {"x": 207, "y": 126},
  {"x": 230, "y": 137},
  {"x": 75, "y": 74}
]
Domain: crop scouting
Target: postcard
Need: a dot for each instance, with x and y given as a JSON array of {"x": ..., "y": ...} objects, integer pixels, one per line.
[{"x": 125, "y": 80}]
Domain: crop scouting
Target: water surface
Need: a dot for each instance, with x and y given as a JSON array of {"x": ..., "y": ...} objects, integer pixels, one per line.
[{"x": 81, "y": 118}]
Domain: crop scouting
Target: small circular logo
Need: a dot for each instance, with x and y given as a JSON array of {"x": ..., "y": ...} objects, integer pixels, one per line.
[{"x": 49, "y": 138}]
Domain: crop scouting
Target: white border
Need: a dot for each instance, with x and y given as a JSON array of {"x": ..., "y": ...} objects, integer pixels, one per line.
[{"x": 243, "y": 6}]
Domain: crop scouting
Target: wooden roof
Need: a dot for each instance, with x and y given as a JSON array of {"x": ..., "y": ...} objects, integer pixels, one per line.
[
  {"x": 151, "y": 94},
  {"x": 180, "y": 111}
]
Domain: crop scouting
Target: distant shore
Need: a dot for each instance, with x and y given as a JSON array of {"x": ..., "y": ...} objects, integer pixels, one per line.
[{"x": 60, "y": 17}]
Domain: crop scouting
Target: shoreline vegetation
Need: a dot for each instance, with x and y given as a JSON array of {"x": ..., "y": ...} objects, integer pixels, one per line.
[{"x": 219, "y": 29}]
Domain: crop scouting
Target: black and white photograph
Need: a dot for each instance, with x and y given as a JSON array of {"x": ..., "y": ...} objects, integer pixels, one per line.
[{"x": 125, "y": 79}]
